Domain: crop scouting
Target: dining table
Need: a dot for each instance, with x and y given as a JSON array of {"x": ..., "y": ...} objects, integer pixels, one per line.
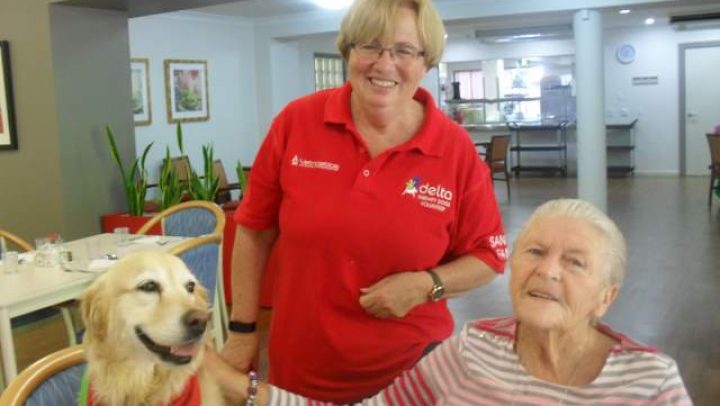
[{"x": 36, "y": 285}]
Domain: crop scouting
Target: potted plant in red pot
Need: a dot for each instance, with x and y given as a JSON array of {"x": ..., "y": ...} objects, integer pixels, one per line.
[{"x": 135, "y": 184}]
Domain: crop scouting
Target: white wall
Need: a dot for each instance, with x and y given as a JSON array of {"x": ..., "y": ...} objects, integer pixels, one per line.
[
  {"x": 657, "y": 105},
  {"x": 228, "y": 46}
]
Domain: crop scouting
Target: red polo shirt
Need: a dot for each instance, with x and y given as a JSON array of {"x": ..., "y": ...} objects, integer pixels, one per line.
[{"x": 346, "y": 221}]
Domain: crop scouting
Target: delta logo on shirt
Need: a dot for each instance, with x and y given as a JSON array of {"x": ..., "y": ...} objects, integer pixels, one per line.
[{"x": 434, "y": 197}]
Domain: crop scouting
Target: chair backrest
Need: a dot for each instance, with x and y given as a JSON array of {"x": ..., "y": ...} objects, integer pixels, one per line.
[
  {"x": 223, "y": 194},
  {"x": 201, "y": 255},
  {"x": 53, "y": 380},
  {"x": 6, "y": 236},
  {"x": 181, "y": 164},
  {"x": 498, "y": 148},
  {"x": 714, "y": 143},
  {"x": 188, "y": 219}
]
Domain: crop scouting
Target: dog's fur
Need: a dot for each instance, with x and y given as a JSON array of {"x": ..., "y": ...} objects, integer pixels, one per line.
[{"x": 152, "y": 293}]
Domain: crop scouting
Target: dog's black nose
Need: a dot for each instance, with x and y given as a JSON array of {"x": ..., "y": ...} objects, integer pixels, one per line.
[{"x": 195, "y": 321}]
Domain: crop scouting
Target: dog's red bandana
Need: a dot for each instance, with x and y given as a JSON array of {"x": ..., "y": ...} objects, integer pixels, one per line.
[{"x": 190, "y": 395}]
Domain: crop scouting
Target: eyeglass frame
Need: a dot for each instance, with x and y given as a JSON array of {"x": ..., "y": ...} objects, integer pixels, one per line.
[{"x": 379, "y": 50}]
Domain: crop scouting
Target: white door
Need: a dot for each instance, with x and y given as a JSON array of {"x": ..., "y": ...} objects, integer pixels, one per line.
[{"x": 702, "y": 105}]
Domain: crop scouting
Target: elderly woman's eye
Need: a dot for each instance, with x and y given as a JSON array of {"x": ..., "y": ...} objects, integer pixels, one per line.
[
  {"x": 149, "y": 286},
  {"x": 577, "y": 263},
  {"x": 190, "y": 286},
  {"x": 534, "y": 251}
]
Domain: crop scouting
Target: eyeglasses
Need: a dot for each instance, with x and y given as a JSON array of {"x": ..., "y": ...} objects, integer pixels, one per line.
[{"x": 399, "y": 52}]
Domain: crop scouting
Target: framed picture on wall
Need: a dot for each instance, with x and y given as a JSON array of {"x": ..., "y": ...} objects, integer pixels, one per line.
[
  {"x": 8, "y": 131},
  {"x": 186, "y": 90},
  {"x": 142, "y": 110}
]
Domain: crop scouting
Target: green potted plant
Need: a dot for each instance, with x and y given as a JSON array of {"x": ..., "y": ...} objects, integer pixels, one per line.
[
  {"x": 171, "y": 189},
  {"x": 242, "y": 178},
  {"x": 135, "y": 181},
  {"x": 200, "y": 187},
  {"x": 135, "y": 184}
]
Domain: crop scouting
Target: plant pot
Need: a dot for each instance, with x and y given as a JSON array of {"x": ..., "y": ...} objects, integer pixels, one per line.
[{"x": 111, "y": 221}]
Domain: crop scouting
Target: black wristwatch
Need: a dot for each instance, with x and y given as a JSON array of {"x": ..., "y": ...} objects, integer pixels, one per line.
[
  {"x": 240, "y": 327},
  {"x": 438, "y": 289}
]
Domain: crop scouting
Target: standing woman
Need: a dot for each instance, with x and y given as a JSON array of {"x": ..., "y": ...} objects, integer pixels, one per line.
[{"x": 372, "y": 208}]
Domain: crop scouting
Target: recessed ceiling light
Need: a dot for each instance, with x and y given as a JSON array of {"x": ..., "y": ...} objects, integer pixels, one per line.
[
  {"x": 649, "y": 21},
  {"x": 624, "y": 11},
  {"x": 333, "y": 4}
]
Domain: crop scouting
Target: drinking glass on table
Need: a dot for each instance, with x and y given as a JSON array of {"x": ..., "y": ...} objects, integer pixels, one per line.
[
  {"x": 42, "y": 251},
  {"x": 122, "y": 234},
  {"x": 10, "y": 261}
]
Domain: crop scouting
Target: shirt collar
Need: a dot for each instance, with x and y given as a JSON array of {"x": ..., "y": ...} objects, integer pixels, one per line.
[{"x": 429, "y": 139}]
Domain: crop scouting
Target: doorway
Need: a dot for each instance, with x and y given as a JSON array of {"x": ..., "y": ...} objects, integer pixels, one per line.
[{"x": 699, "y": 101}]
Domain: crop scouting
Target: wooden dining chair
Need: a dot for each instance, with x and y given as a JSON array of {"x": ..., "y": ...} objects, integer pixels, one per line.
[
  {"x": 197, "y": 219},
  {"x": 714, "y": 144},
  {"x": 52, "y": 380},
  {"x": 225, "y": 188},
  {"x": 496, "y": 159}
]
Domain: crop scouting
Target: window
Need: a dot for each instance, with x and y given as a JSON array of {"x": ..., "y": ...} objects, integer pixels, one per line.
[
  {"x": 329, "y": 71},
  {"x": 471, "y": 83}
]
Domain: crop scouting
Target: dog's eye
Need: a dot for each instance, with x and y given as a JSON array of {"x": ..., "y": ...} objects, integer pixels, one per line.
[
  {"x": 190, "y": 286},
  {"x": 149, "y": 286}
]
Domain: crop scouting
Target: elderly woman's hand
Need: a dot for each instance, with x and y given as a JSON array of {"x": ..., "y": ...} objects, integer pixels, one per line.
[{"x": 396, "y": 294}]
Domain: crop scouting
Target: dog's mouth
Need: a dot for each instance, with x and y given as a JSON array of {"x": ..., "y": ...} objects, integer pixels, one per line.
[{"x": 179, "y": 354}]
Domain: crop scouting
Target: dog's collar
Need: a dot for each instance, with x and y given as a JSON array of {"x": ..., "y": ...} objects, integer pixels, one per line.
[
  {"x": 164, "y": 352},
  {"x": 190, "y": 396}
]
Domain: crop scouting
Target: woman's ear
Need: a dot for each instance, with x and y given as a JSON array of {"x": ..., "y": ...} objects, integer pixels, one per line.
[{"x": 607, "y": 297}]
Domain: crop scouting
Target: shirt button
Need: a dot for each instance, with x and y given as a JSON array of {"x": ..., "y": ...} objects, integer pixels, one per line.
[{"x": 366, "y": 173}]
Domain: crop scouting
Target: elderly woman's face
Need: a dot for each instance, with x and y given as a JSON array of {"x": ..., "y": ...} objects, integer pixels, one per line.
[
  {"x": 384, "y": 81},
  {"x": 560, "y": 273}
]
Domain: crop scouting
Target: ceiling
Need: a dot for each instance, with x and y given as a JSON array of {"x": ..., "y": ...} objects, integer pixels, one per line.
[
  {"x": 505, "y": 13},
  {"x": 660, "y": 10}
]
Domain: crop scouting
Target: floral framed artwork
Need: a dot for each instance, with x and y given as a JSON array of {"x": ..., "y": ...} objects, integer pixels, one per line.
[
  {"x": 140, "y": 79},
  {"x": 8, "y": 131},
  {"x": 186, "y": 90}
]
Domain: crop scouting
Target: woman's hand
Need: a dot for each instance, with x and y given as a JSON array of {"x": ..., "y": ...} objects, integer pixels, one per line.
[
  {"x": 241, "y": 350},
  {"x": 395, "y": 295}
]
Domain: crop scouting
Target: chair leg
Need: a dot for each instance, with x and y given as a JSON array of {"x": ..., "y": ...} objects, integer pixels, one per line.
[
  {"x": 69, "y": 325},
  {"x": 710, "y": 191}
]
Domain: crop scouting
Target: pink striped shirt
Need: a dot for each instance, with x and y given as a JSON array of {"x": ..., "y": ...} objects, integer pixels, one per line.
[{"x": 480, "y": 367}]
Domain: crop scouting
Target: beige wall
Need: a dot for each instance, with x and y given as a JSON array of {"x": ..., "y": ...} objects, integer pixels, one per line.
[{"x": 60, "y": 179}]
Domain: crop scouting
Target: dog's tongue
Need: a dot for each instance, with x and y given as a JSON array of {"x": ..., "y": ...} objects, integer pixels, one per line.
[{"x": 185, "y": 350}]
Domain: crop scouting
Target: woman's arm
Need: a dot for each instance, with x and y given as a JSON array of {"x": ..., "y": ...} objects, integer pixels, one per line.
[
  {"x": 397, "y": 294},
  {"x": 250, "y": 253}
]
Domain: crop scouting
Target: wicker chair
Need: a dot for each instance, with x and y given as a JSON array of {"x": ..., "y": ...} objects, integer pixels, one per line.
[{"x": 52, "y": 380}]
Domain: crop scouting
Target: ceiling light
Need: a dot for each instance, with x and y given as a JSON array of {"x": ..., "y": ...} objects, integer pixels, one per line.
[
  {"x": 333, "y": 4},
  {"x": 649, "y": 21},
  {"x": 624, "y": 11}
]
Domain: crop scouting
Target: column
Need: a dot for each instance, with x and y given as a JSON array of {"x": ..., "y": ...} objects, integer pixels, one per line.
[{"x": 590, "y": 85}]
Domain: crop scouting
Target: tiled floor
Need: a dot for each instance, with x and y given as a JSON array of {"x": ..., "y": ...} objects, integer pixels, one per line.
[{"x": 671, "y": 298}]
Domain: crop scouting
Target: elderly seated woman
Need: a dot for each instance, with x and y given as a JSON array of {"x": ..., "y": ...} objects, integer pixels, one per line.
[{"x": 567, "y": 266}]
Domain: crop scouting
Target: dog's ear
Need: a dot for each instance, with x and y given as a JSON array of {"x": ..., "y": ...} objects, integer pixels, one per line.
[{"x": 94, "y": 307}]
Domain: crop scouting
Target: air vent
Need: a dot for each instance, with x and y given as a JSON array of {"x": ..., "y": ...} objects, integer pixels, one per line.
[
  {"x": 524, "y": 34},
  {"x": 695, "y": 21}
]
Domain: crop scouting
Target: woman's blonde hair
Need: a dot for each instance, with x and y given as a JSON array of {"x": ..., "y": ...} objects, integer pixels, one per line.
[
  {"x": 582, "y": 210},
  {"x": 369, "y": 20}
]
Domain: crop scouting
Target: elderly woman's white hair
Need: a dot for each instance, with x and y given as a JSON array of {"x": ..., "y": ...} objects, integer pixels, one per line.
[{"x": 580, "y": 209}]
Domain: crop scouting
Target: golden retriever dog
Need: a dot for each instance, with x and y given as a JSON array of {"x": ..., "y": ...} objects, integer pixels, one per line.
[{"x": 145, "y": 322}]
